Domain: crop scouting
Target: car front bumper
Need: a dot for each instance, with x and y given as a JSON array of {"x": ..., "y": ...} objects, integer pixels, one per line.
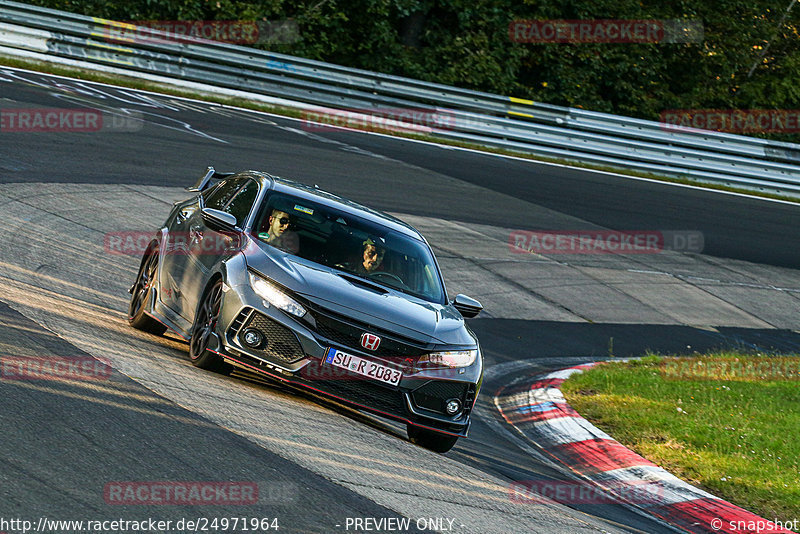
[{"x": 294, "y": 353}]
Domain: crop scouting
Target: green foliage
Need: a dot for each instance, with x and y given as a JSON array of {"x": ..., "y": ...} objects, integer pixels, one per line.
[
  {"x": 467, "y": 43},
  {"x": 732, "y": 433}
]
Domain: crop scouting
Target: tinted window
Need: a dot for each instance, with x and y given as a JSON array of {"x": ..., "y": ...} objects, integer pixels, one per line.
[
  {"x": 343, "y": 241},
  {"x": 223, "y": 193},
  {"x": 241, "y": 204},
  {"x": 206, "y": 194}
]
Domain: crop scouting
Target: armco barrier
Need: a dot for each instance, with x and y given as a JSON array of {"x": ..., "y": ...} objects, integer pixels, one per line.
[{"x": 472, "y": 116}]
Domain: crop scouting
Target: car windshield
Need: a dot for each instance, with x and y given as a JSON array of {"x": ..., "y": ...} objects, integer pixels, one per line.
[{"x": 350, "y": 244}]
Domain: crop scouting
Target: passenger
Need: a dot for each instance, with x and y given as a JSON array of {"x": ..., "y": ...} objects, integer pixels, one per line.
[{"x": 278, "y": 233}]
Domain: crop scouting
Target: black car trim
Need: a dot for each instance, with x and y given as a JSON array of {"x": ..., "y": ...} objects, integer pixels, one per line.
[
  {"x": 294, "y": 383},
  {"x": 163, "y": 317},
  {"x": 168, "y": 325},
  {"x": 232, "y": 343}
]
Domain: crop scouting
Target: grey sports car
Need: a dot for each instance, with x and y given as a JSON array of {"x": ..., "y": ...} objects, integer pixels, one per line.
[{"x": 316, "y": 291}]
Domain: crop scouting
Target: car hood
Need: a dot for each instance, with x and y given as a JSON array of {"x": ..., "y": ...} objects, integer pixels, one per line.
[{"x": 408, "y": 316}]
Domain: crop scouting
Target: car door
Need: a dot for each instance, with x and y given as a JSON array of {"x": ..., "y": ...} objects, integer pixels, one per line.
[
  {"x": 181, "y": 243},
  {"x": 208, "y": 246},
  {"x": 173, "y": 261}
]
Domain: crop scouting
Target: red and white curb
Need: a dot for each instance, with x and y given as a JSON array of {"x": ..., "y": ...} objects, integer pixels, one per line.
[{"x": 539, "y": 411}]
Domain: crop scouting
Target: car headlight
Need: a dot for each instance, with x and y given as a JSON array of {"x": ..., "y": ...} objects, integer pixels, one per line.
[
  {"x": 272, "y": 295},
  {"x": 449, "y": 358}
]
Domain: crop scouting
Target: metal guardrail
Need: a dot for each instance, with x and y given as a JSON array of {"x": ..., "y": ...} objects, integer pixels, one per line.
[{"x": 470, "y": 116}]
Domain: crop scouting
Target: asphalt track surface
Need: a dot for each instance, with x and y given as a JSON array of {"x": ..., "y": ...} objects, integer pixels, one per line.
[{"x": 61, "y": 443}]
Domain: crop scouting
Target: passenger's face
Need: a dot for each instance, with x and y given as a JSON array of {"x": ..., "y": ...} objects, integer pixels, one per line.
[{"x": 278, "y": 223}]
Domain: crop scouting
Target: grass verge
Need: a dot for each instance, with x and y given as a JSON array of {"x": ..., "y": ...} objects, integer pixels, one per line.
[
  {"x": 726, "y": 422},
  {"x": 137, "y": 83}
]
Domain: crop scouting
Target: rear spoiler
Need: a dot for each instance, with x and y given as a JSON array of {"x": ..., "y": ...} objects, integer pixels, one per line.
[{"x": 210, "y": 175}]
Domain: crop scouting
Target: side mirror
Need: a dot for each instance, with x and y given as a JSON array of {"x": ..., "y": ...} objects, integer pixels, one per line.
[
  {"x": 219, "y": 220},
  {"x": 467, "y": 306}
]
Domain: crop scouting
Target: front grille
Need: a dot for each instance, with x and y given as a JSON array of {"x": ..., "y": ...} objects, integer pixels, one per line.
[
  {"x": 347, "y": 333},
  {"x": 331, "y": 332},
  {"x": 433, "y": 395},
  {"x": 357, "y": 388},
  {"x": 366, "y": 393},
  {"x": 280, "y": 344}
]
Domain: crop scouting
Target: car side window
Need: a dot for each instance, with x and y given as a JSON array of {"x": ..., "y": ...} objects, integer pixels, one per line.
[
  {"x": 223, "y": 193},
  {"x": 243, "y": 202}
]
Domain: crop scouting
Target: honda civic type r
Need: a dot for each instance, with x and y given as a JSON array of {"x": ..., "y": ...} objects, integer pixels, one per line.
[{"x": 316, "y": 291}]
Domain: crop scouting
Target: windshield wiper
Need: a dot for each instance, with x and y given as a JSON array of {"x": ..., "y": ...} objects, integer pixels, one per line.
[{"x": 364, "y": 283}]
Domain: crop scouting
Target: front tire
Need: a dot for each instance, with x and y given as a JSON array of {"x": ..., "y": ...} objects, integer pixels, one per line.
[
  {"x": 141, "y": 294},
  {"x": 434, "y": 441},
  {"x": 203, "y": 328}
]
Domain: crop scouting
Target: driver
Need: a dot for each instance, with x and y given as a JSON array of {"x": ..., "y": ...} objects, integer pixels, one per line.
[{"x": 371, "y": 257}]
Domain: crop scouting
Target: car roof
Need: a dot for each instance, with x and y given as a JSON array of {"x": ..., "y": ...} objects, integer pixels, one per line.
[{"x": 325, "y": 198}]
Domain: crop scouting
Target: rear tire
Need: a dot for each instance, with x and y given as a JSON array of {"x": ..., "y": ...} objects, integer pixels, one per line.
[
  {"x": 205, "y": 323},
  {"x": 434, "y": 441},
  {"x": 142, "y": 293}
]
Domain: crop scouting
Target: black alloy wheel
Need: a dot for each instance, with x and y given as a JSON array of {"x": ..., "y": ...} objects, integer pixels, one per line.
[
  {"x": 205, "y": 324},
  {"x": 141, "y": 294}
]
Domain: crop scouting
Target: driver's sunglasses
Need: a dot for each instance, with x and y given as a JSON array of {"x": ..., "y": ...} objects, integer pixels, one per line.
[{"x": 284, "y": 220}]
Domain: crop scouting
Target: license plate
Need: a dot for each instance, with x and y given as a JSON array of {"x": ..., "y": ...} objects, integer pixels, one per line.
[{"x": 363, "y": 367}]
